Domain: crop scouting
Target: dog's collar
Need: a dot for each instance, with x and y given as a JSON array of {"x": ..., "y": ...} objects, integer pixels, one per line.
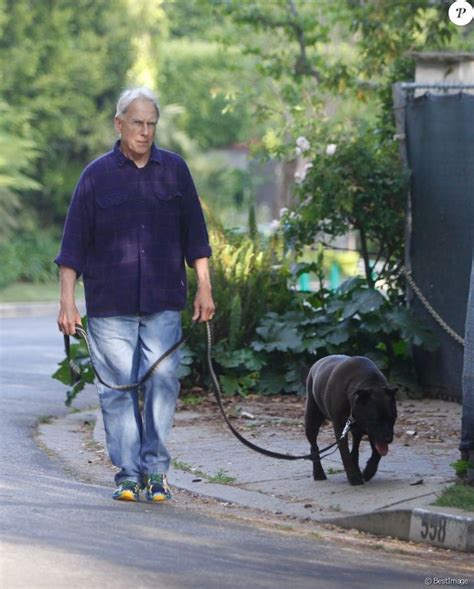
[{"x": 347, "y": 427}]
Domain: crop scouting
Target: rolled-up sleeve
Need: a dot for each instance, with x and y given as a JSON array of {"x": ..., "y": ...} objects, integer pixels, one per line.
[
  {"x": 194, "y": 231},
  {"x": 77, "y": 235}
]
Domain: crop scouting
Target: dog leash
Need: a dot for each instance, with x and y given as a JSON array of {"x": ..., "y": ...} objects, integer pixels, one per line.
[
  {"x": 76, "y": 372},
  {"x": 248, "y": 443}
]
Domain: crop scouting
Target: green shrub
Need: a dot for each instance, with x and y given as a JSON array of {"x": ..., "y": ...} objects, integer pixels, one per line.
[
  {"x": 249, "y": 279},
  {"x": 353, "y": 320},
  {"x": 28, "y": 257}
]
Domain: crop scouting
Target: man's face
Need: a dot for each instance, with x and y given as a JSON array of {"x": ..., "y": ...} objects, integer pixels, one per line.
[{"x": 137, "y": 127}]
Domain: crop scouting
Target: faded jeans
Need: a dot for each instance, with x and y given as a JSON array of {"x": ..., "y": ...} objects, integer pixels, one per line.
[
  {"x": 467, "y": 425},
  {"x": 123, "y": 348}
]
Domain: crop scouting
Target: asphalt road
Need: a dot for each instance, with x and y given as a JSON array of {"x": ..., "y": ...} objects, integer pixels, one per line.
[{"x": 59, "y": 533}]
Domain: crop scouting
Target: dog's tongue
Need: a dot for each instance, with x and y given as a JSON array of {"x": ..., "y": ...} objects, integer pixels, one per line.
[{"x": 382, "y": 448}]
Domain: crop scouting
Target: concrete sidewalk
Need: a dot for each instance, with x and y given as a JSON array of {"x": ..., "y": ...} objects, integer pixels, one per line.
[{"x": 209, "y": 460}]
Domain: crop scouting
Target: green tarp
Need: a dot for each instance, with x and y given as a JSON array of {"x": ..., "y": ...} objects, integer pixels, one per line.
[{"x": 440, "y": 147}]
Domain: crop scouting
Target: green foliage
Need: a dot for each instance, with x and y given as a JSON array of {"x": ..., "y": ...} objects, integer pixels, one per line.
[
  {"x": 28, "y": 257},
  {"x": 341, "y": 57},
  {"x": 62, "y": 65},
  {"x": 198, "y": 76},
  {"x": 80, "y": 356},
  {"x": 18, "y": 155},
  {"x": 360, "y": 187},
  {"x": 461, "y": 467},
  {"x": 223, "y": 188},
  {"x": 249, "y": 279},
  {"x": 221, "y": 477},
  {"x": 460, "y": 496},
  {"x": 354, "y": 320},
  {"x": 387, "y": 36}
]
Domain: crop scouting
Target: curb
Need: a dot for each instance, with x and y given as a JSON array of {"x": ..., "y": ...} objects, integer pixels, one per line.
[{"x": 447, "y": 528}]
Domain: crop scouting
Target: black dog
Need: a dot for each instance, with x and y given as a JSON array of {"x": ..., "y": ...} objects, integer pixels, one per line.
[{"x": 341, "y": 386}]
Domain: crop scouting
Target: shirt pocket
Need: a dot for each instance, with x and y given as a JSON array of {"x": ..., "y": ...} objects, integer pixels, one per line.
[
  {"x": 168, "y": 203},
  {"x": 168, "y": 195},
  {"x": 108, "y": 200}
]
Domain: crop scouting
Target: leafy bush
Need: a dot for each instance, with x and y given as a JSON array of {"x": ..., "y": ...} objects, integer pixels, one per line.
[
  {"x": 354, "y": 320},
  {"x": 360, "y": 187},
  {"x": 249, "y": 279},
  {"x": 28, "y": 257}
]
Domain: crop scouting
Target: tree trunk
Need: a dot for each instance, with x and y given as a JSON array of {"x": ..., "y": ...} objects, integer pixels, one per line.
[{"x": 365, "y": 257}]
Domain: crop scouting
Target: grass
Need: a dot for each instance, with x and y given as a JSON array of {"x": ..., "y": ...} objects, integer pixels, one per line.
[
  {"x": 185, "y": 467},
  {"x": 29, "y": 292},
  {"x": 191, "y": 399},
  {"x": 45, "y": 419},
  {"x": 457, "y": 495},
  {"x": 334, "y": 470},
  {"x": 222, "y": 478}
]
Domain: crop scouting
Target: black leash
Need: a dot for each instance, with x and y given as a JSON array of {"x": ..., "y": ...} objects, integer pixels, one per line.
[
  {"x": 75, "y": 374},
  {"x": 259, "y": 449},
  {"x": 76, "y": 371}
]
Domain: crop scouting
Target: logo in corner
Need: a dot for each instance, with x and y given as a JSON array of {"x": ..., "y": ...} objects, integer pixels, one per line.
[{"x": 461, "y": 13}]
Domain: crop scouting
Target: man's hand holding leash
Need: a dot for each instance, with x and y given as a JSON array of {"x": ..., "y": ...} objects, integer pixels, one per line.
[
  {"x": 204, "y": 307},
  {"x": 68, "y": 315}
]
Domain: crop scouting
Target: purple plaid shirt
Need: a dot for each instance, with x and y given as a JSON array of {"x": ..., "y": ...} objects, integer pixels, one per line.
[{"x": 129, "y": 231}]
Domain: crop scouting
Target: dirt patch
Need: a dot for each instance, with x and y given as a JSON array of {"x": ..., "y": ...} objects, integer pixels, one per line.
[{"x": 420, "y": 422}]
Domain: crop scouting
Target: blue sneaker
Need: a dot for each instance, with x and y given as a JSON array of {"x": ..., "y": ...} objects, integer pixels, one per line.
[
  {"x": 157, "y": 488},
  {"x": 127, "y": 491}
]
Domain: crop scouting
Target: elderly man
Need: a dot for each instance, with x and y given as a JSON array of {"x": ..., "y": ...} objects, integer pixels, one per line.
[{"x": 134, "y": 220}]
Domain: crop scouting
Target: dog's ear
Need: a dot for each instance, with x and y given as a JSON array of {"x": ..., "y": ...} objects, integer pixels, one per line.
[
  {"x": 391, "y": 390},
  {"x": 363, "y": 395}
]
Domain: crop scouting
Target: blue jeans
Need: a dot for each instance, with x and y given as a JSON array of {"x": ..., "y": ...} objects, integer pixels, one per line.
[
  {"x": 467, "y": 425},
  {"x": 123, "y": 348}
]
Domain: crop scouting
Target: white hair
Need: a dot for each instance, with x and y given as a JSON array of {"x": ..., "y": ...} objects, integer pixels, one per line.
[{"x": 131, "y": 94}]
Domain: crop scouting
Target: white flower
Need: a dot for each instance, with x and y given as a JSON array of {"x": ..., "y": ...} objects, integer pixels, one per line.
[
  {"x": 274, "y": 225},
  {"x": 299, "y": 177},
  {"x": 331, "y": 149},
  {"x": 303, "y": 144},
  {"x": 307, "y": 201},
  {"x": 298, "y": 151},
  {"x": 283, "y": 211}
]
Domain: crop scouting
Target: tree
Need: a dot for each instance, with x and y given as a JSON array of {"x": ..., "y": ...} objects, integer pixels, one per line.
[
  {"x": 358, "y": 185},
  {"x": 16, "y": 164},
  {"x": 62, "y": 64},
  {"x": 330, "y": 67}
]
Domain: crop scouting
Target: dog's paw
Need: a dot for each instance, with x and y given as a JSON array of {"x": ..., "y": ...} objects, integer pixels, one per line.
[
  {"x": 357, "y": 480},
  {"x": 369, "y": 473}
]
